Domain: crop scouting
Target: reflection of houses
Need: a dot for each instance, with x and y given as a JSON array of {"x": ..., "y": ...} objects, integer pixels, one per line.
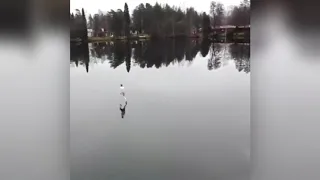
[
  {"x": 230, "y": 28},
  {"x": 231, "y": 33}
]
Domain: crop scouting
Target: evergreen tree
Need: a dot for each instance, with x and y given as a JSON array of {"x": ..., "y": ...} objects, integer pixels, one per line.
[
  {"x": 84, "y": 26},
  {"x": 205, "y": 24},
  {"x": 126, "y": 20}
]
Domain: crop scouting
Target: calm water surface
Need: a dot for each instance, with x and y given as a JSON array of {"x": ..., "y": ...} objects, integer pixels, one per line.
[{"x": 187, "y": 117}]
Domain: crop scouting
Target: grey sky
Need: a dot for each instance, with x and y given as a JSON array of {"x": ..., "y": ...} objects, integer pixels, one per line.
[{"x": 92, "y": 6}]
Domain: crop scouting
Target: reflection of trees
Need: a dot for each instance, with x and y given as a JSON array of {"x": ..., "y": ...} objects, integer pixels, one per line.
[
  {"x": 128, "y": 56},
  {"x": 163, "y": 52},
  {"x": 217, "y": 56},
  {"x": 180, "y": 49},
  {"x": 119, "y": 54},
  {"x": 80, "y": 54},
  {"x": 241, "y": 55},
  {"x": 205, "y": 46},
  {"x": 195, "y": 49},
  {"x": 138, "y": 54},
  {"x": 214, "y": 61},
  {"x": 154, "y": 54},
  {"x": 160, "y": 53}
]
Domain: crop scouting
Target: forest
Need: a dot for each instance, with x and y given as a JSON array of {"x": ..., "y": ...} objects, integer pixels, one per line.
[{"x": 158, "y": 20}]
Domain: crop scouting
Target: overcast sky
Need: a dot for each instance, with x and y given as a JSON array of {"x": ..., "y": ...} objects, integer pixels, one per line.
[{"x": 92, "y": 6}]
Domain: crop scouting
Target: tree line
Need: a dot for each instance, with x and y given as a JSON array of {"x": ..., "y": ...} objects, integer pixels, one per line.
[
  {"x": 236, "y": 15},
  {"x": 159, "y": 20},
  {"x": 161, "y": 53}
]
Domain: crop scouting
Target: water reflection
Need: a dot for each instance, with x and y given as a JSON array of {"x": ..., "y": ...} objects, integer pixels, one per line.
[
  {"x": 161, "y": 53},
  {"x": 190, "y": 122},
  {"x": 80, "y": 54},
  {"x": 123, "y": 109}
]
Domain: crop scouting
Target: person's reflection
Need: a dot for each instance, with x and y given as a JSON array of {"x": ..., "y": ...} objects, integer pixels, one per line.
[{"x": 123, "y": 109}]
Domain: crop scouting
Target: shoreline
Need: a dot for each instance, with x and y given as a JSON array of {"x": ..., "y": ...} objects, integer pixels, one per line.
[{"x": 148, "y": 37}]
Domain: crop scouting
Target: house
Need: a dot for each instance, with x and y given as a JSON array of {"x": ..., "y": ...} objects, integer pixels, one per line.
[{"x": 90, "y": 32}]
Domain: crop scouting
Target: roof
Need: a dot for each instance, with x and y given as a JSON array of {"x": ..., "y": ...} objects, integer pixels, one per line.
[{"x": 231, "y": 27}]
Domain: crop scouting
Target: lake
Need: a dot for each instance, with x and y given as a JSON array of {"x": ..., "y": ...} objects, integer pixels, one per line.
[{"x": 187, "y": 115}]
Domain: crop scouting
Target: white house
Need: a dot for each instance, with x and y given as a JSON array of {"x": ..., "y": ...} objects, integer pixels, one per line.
[{"x": 90, "y": 32}]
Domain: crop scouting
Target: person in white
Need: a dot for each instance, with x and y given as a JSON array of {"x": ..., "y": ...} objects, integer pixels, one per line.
[{"x": 122, "y": 91}]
